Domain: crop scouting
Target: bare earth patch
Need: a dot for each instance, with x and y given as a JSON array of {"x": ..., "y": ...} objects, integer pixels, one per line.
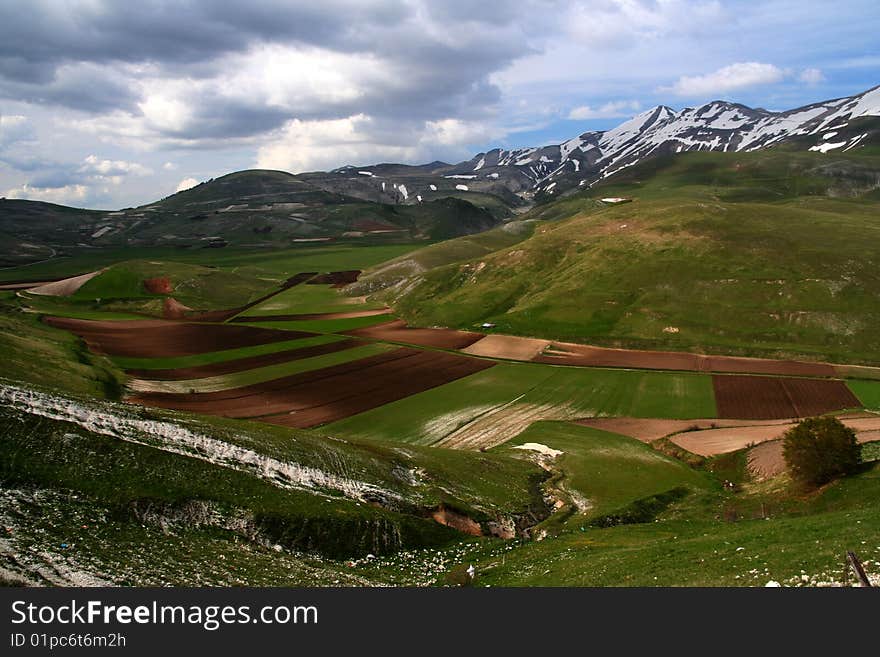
[
  {"x": 507, "y": 346},
  {"x": 720, "y": 441}
]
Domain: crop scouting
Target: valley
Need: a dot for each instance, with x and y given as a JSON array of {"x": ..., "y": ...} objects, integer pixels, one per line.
[{"x": 339, "y": 379}]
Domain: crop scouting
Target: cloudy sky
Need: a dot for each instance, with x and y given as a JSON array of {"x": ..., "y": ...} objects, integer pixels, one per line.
[{"x": 110, "y": 104}]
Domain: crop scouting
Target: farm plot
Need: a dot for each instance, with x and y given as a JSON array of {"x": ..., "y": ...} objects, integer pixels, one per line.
[
  {"x": 311, "y": 398},
  {"x": 259, "y": 374},
  {"x": 162, "y": 338},
  {"x": 730, "y": 439},
  {"x": 492, "y": 407},
  {"x": 306, "y": 300},
  {"x": 247, "y": 363},
  {"x": 398, "y": 331},
  {"x": 868, "y": 392},
  {"x": 766, "y": 398},
  {"x": 354, "y": 314}
]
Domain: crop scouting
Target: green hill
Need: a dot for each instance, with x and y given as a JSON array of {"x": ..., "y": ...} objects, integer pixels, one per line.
[{"x": 766, "y": 253}]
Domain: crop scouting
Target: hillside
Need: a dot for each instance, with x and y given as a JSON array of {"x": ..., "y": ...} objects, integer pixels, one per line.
[
  {"x": 765, "y": 253},
  {"x": 247, "y": 208}
]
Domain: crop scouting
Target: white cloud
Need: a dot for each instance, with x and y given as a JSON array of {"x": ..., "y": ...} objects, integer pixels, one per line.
[
  {"x": 610, "y": 110},
  {"x": 811, "y": 76},
  {"x": 15, "y": 128},
  {"x": 186, "y": 183},
  {"x": 358, "y": 139},
  {"x": 95, "y": 166},
  {"x": 728, "y": 78},
  {"x": 169, "y": 166},
  {"x": 69, "y": 194}
]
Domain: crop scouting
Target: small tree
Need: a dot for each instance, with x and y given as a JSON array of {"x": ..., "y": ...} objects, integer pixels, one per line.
[{"x": 820, "y": 449}]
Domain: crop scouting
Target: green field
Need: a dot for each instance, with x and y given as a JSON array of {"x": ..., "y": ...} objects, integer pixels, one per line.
[
  {"x": 309, "y": 299},
  {"x": 326, "y": 325},
  {"x": 427, "y": 417},
  {"x": 868, "y": 393},
  {"x": 276, "y": 263}
]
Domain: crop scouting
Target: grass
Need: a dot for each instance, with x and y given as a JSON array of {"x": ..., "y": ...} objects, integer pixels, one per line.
[
  {"x": 326, "y": 325},
  {"x": 36, "y": 353},
  {"x": 220, "y": 356},
  {"x": 612, "y": 472},
  {"x": 427, "y": 417},
  {"x": 741, "y": 253},
  {"x": 308, "y": 299},
  {"x": 263, "y": 374},
  {"x": 277, "y": 263},
  {"x": 868, "y": 392}
]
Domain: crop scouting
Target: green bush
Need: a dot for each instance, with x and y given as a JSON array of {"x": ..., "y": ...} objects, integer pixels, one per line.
[{"x": 820, "y": 449}]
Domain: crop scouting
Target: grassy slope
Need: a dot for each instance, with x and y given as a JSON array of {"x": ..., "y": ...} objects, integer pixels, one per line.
[
  {"x": 200, "y": 287},
  {"x": 426, "y": 417},
  {"x": 745, "y": 253},
  {"x": 396, "y": 270},
  {"x": 609, "y": 470},
  {"x": 36, "y": 353},
  {"x": 308, "y": 299}
]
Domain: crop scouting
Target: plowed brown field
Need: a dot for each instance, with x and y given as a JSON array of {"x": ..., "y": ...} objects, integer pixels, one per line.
[
  {"x": 397, "y": 331},
  {"x": 320, "y": 396},
  {"x": 765, "y": 398},
  {"x": 243, "y": 364},
  {"x": 163, "y": 339}
]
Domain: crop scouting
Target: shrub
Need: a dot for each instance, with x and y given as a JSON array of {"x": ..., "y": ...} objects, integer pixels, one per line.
[{"x": 820, "y": 449}]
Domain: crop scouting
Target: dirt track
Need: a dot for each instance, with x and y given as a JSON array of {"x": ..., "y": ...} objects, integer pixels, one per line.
[
  {"x": 162, "y": 338},
  {"x": 397, "y": 331},
  {"x": 311, "y": 398},
  {"x": 66, "y": 286},
  {"x": 243, "y": 364},
  {"x": 765, "y": 398}
]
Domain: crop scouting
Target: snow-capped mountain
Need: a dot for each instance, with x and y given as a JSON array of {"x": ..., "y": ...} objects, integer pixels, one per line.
[
  {"x": 715, "y": 126},
  {"x": 519, "y": 175}
]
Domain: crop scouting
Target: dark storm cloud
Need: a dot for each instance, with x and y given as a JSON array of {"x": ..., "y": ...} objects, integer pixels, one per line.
[
  {"x": 45, "y": 34},
  {"x": 91, "y": 56}
]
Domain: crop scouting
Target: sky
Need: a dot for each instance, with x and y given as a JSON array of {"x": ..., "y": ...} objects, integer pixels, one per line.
[{"x": 116, "y": 104}]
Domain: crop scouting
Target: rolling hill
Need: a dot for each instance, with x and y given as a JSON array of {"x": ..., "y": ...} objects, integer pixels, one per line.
[{"x": 764, "y": 253}]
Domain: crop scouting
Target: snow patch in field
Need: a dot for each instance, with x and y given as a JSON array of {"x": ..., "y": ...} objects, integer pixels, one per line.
[
  {"x": 433, "y": 188},
  {"x": 365, "y": 173},
  {"x": 543, "y": 449},
  {"x": 115, "y": 421},
  {"x": 463, "y": 188},
  {"x": 824, "y": 148}
]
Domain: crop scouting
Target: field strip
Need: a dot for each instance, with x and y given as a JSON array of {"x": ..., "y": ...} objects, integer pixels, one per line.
[
  {"x": 711, "y": 442},
  {"x": 258, "y": 375},
  {"x": 502, "y": 424},
  {"x": 249, "y": 363}
]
